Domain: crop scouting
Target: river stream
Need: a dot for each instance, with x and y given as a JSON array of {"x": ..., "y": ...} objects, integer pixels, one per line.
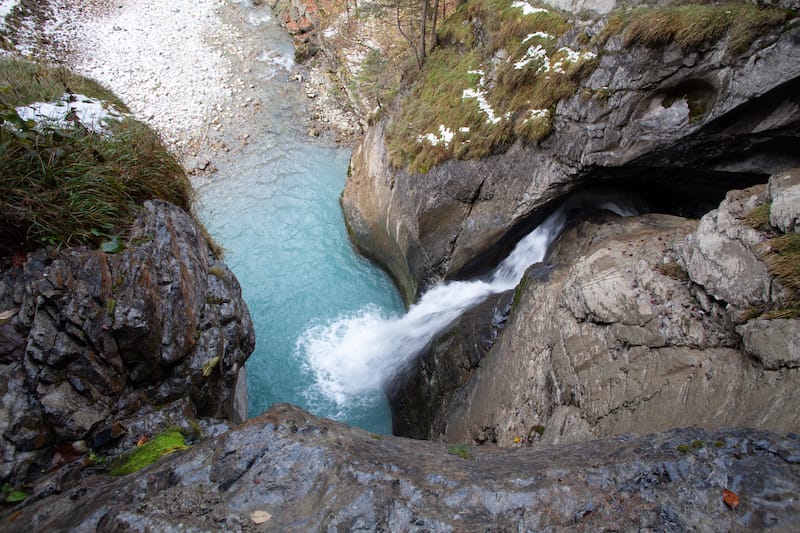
[{"x": 273, "y": 204}]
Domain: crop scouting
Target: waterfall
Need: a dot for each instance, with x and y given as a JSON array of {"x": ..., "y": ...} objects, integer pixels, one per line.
[{"x": 357, "y": 353}]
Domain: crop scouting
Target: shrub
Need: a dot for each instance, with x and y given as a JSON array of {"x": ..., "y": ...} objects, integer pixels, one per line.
[{"x": 496, "y": 77}]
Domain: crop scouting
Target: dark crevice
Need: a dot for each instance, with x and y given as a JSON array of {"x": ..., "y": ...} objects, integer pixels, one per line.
[{"x": 688, "y": 193}]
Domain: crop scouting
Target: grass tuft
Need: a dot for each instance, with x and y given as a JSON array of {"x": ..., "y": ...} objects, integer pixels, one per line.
[
  {"x": 692, "y": 26},
  {"x": 460, "y": 450},
  {"x": 67, "y": 185},
  {"x": 783, "y": 262},
  {"x": 758, "y": 217}
]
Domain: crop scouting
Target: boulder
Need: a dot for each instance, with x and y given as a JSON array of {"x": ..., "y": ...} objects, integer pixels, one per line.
[
  {"x": 618, "y": 339},
  {"x": 289, "y": 471},
  {"x": 106, "y": 334}
]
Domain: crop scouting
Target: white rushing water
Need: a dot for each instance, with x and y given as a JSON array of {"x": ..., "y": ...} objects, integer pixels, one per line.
[{"x": 360, "y": 352}]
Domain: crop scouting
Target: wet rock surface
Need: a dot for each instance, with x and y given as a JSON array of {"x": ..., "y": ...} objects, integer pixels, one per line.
[
  {"x": 313, "y": 474},
  {"x": 95, "y": 338}
]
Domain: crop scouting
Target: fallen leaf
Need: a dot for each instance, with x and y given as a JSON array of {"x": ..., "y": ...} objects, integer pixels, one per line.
[
  {"x": 259, "y": 517},
  {"x": 209, "y": 366},
  {"x": 7, "y": 315},
  {"x": 730, "y": 498},
  {"x": 141, "y": 441}
]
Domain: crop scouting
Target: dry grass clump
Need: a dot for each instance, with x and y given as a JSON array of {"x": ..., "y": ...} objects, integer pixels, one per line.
[
  {"x": 758, "y": 217},
  {"x": 485, "y": 86},
  {"x": 782, "y": 257},
  {"x": 691, "y": 26},
  {"x": 68, "y": 185}
]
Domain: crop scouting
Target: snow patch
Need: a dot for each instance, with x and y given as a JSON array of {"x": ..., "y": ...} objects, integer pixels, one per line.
[
  {"x": 571, "y": 57},
  {"x": 70, "y": 110},
  {"x": 536, "y": 114},
  {"x": 538, "y": 53},
  {"x": 534, "y": 53},
  {"x": 445, "y": 137},
  {"x": 538, "y": 34},
  {"x": 528, "y": 9}
]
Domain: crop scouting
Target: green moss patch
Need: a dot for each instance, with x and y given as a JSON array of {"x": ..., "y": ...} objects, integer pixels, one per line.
[
  {"x": 150, "y": 452},
  {"x": 495, "y": 77},
  {"x": 460, "y": 450}
]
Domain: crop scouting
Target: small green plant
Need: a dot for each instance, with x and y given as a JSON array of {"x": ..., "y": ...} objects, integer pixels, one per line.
[
  {"x": 460, "y": 450},
  {"x": 98, "y": 460},
  {"x": 538, "y": 428},
  {"x": 694, "y": 446},
  {"x": 719, "y": 443},
  {"x": 151, "y": 451},
  {"x": 111, "y": 305},
  {"x": 11, "y": 495}
]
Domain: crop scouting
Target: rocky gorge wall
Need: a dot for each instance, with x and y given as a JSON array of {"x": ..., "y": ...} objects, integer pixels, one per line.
[
  {"x": 100, "y": 349},
  {"x": 632, "y": 325},
  {"x": 639, "y": 324},
  {"x": 630, "y": 119}
]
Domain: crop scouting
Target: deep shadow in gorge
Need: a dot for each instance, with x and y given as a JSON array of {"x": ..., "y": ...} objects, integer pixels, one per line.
[{"x": 688, "y": 193}]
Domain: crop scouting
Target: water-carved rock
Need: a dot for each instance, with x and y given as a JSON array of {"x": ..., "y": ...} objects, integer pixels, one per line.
[{"x": 640, "y": 326}]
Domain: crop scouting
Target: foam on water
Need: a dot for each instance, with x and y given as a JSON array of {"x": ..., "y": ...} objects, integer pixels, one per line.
[{"x": 358, "y": 353}]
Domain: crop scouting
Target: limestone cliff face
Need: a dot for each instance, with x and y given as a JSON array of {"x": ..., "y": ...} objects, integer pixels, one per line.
[
  {"x": 680, "y": 123},
  {"x": 91, "y": 340},
  {"x": 641, "y": 324}
]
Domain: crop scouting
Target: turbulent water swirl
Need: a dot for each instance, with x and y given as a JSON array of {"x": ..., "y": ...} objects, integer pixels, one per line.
[{"x": 359, "y": 352}]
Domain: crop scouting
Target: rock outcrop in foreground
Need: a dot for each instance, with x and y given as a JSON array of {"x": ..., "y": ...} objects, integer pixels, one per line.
[
  {"x": 309, "y": 474},
  {"x": 99, "y": 349}
]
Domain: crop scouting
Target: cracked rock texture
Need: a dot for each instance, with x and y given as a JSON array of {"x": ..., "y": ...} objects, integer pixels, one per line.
[
  {"x": 91, "y": 339},
  {"x": 311, "y": 474}
]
